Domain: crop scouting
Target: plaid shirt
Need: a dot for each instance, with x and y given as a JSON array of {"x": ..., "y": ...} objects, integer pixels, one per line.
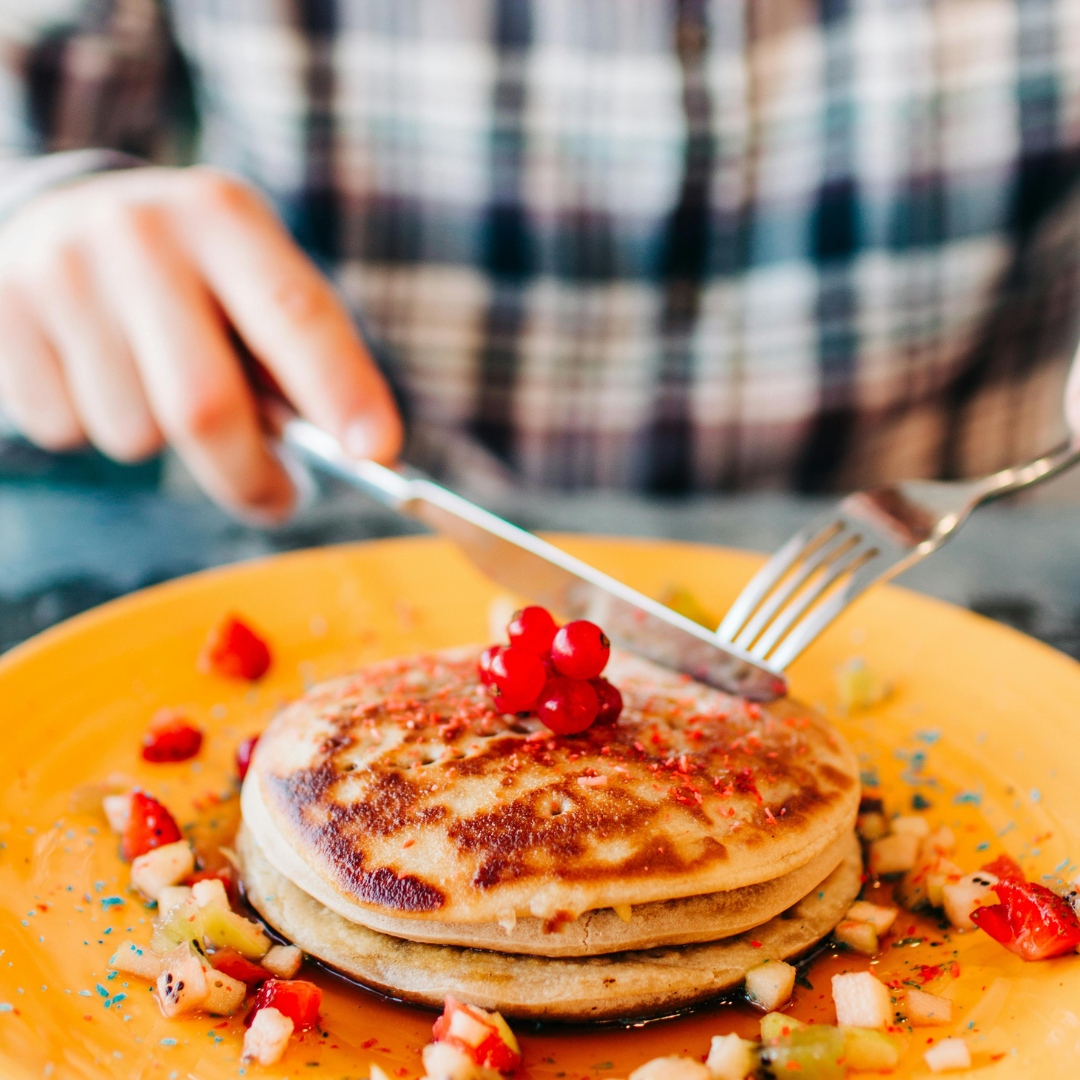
[{"x": 659, "y": 244}]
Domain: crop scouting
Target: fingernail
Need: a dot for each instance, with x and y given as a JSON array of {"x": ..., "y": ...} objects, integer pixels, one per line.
[{"x": 361, "y": 440}]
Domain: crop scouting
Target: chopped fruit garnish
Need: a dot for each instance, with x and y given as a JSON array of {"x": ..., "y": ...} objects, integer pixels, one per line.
[
  {"x": 236, "y": 966},
  {"x": 861, "y": 1000},
  {"x": 925, "y": 1009},
  {"x": 117, "y": 811},
  {"x": 1006, "y": 868},
  {"x": 283, "y": 961},
  {"x": 182, "y": 987},
  {"x": 517, "y": 677},
  {"x": 149, "y": 825},
  {"x": 769, "y": 985},
  {"x": 243, "y": 755},
  {"x": 532, "y": 628},
  {"x": 223, "y": 874},
  {"x": 580, "y": 649},
  {"x": 1030, "y": 920},
  {"x": 484, "y": 1036},
  {"x": 880, "y": 918},
  {"x": 297, "y": 999},
  {"x": 138, "y": 960},
  {"x": 961, "y": 898},
  {"x": 444, "y": 1062},
  {"x": 948, "y": 1055},
  {"x": 774, "y": 1025},
  {"x": 610, "y": 701},
  {"x": 811, "y": 1053},
  {"x": 671, "y": 1068},
  {"x": 170, "y": 737},
  {"x": 894, "y": 854},
  {"x": 567, "y": 706},
  {"x": 730, "y": 1058},
  {"x": 856, "y": 935},
  {"x": 224, "y": 929},
  {"x": 869, "y": 1051},
  {"x": 266, "y": 1039},
  {"x": 911, "y": 823},
  {"x": 234, "y": 650},
  {"x": 178, "y": 925},
  {"x": 164, "y": 866}
]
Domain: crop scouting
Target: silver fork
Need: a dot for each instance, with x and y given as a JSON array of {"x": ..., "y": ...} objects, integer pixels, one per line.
[{"x": 869, "y": 537}]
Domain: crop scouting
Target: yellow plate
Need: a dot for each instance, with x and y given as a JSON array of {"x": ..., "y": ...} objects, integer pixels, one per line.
[{"x": 982, "y": 722}]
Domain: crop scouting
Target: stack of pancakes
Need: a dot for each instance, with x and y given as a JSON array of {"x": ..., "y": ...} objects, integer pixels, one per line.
[{"x": 400, "y": 830}]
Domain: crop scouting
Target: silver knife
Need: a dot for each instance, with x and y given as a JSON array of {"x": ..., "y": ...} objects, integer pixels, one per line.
[{"x": 531, "y": 567}]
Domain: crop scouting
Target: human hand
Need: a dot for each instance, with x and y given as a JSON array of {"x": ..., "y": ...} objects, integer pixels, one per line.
[{"x": 116, "y": 297}]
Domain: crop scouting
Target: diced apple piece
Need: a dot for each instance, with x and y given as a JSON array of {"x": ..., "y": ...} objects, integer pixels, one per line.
[
  {"x": 210, "y": 891},
  {"x": 924, "y": 1010},
  {"x": 266, "y": 1039},
  {"x": 894, "y": 854},
  {"x": 880, "y": 918},
  {"x": 138, "y": 960},
  {"x": 872, "y": 826},
  {"x": 769, "y": 985},
  {"x": 161, "y": 867},
  {"x": 181, "y": 924},
  {"x": 505, "y": 1033},
  {"x": 924, "y": 885},
  {"x": 468, "y": 1029},
  {"x": 170, "y": 896},
  {"x": 949, "y": 1054},
  {"x": 961, "y": 898},
  {"x": 445, "y": 1062},
  {"x": 671, "y": 1068},
  {"x": 869, "y": 1051},
  {"x": 283, "y": 961},
  {"x": 730, "y": 1058},
  {"x": 860, "y": 936},
  {"x": 861, "y": 1000},
  {"x": 775, "y": 1025},
  {"x": 224, "y": 994},
  {"x": 911, "y": 823},
  {"x": 375, "y": 1073},
  {"x": 946, "y": 873},
  {"x": 117, "y": 811},
  {"x": 224, "y": 929},
  {"x": 182, "y": 987}
]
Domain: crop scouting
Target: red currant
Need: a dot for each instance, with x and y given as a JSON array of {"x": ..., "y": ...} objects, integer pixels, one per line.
[
  {"x": 532, "y": 628},
  {"x": 610, "y": 701},
  {"x": 486, "y": 657},
  {"x": 567, "y": 706},
  {"x": 170, "y": 738},
  {"x": 580, "y": 649},
  {"x": 517, "y": 676}
]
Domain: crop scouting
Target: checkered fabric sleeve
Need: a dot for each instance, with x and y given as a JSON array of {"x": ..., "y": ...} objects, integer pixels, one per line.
[{"x": 657, "y": 244}]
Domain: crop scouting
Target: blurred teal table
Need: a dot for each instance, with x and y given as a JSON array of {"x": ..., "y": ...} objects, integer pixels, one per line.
[{"x": 76, "y": 531}]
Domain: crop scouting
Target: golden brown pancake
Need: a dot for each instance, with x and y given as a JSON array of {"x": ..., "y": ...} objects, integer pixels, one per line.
[
  {"x": 406, "y": 794},
  {"x": 669, "y": 922},
  {"x": 619, "y": 985}
]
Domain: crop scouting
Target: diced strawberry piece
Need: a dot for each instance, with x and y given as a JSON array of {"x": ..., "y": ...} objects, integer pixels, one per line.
[
  {"x": 170, "y": 738},
  {"x": 224, "y": 874},
  {"x": 1005, "y": 868},
  {"x": 243, "y": 755},
  {"x": 230, "y": 962},
  {"x": 234, "y": 650},
  {"x": 487, "y": 1045},
  {"x": 495, "y": 1054},
  {"x": 149, "y": 825},
  {"x": 1031, "y": 921},
  {"x": 297, "y": 999}
]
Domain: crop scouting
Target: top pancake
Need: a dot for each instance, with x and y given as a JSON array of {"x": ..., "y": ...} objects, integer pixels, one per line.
[{"x": 406, "y": 792}]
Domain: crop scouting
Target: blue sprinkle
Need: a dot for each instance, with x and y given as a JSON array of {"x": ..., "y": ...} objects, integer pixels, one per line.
[
  {"x": 868, "y": 778},
  {"x": 167, "y": 1042},
  {"x": 5, "y": 1007},
  {"x": 99, "y": 885},
  {"x": 821, "y": 895},
  {"x": 112, "y": 976},
  {"x": 117, "y": 998},
  {"x": 984, "y": 846},
  {"x": 919, "y": 802},
  {"x": 25, "y": 923},
  {"x": 972, "y": 797},
  {"x": 85, "y": 993},
  {"x": 101, "y": 990},
  {"x": 1008, "y": 828},
  {"x": 1061, "y": 866},
  {"x": 111, "y": 901},
  {"x": 107, "y": 930},
  {"x": 929, "y": 737},
  {"x": 1036, "y": 795}
]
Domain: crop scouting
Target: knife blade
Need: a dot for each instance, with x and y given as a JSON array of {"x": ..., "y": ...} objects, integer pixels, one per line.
[{"x": 529, "y": 566}]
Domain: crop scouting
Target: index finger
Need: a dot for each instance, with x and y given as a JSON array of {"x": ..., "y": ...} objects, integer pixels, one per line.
[{"x": 288, "y": 314}]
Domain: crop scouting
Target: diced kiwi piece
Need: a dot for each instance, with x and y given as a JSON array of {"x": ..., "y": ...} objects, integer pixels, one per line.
[
  {"x": 775, "y": 1025},
  {"x": 225, "y": 929},
  {"x": 815, "y": 1052},
  {"x": 182, "y": 923},
  {"x": 869, "y": 1050}
]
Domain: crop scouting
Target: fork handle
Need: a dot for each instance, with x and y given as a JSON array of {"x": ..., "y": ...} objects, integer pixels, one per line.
[{"x": 1019, "y": 477}]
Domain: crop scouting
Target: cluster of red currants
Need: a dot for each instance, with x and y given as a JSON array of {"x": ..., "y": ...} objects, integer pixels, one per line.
[{"x": 552, "y": 671}]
